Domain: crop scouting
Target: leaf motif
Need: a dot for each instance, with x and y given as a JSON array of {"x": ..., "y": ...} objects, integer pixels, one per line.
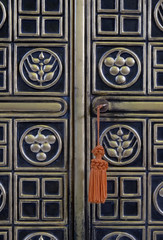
[
  {"x": 113, "y": 144},
  {"x": 46, "y": 61},
  {"x": 33, "y": 76},
  {"x": 113, "y": 136},
  {"x": 33, "y": 67},
  {"x": 48, "y": 76},
  {"x": 127, "y": 152},
  {"x": 47, "y": 68},
  {"x": 120, "y": 132},
  {"x": 41, "y": 238},
  {"x": 126, "y": 144},
  {"x": 112, "y": 152},
  {"x": 41, "y": 56},
  {"x": 35, "y": 60},
  {"x": 126, "y": 137}
]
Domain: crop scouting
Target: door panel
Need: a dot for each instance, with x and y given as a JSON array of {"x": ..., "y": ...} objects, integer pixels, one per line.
[
  {"x": 36, "y": 135},
  {"x": 124, "y": 71}
]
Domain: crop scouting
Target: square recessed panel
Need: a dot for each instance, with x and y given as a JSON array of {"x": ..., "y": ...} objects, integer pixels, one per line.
[
  {"x": 133, "y": 6},
  {"x": 3, "y": 80},
  {"x": 133, "y": 156},
  {"x": 130, "y": 209},
  {"x": 127, "y": 25},
  {"x": 52, "y": 58},
  {"x": 3, "y": 57},
  {"x": 38, "y": 156},
  {"x": 52, "y": 26},
  {"x": 52, "y": 7},
  {"x": 130, "y": 187},
  {"x": 128, "y": 206},
  {"x": 157, "y": 158},
  {"x": 52, "y": 187},
  {"x": 3, "y": 156},
  {"x": 157, "y": 79},
  {"x": 52, "y": 210},
  {"x": 29, "y": 7},
  {"x": 29, "y": 188},
  {"x": 112, "y": 186},
  {"x": 5, "y": 233},
  {"x": 107, "y": 6},
  {"x": 155, "y": 233},
  {"x": 155, "y": 150},
  {"x": 158, "y": 133},
  {"x": 29, "y": 26},
  {"x": 125, "y": 77},
  {"x": 35, "y": 200},
  {"x": 5, "y": 144},
  {"x": 155, "y": 68},
  {"x": 108, "y": 24},
  {"x": 130, "y": 25},
  {"x": 5, "y": 69},
  {"x": 157, "y": 56},
  {"x": 29, "y": 209},
  {"x": 108, "y": 210},
  {"x": 46, "y": 23}
]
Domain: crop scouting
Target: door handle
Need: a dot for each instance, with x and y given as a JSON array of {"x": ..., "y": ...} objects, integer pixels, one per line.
[{"x": 127, "y": 106}]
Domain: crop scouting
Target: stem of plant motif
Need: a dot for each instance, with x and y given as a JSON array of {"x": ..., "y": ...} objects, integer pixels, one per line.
[
  {"x": 42, "y": 71},
  {"x": 120, "y": 144}
]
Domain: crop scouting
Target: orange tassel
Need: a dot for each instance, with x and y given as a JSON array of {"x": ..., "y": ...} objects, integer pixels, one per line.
[{"x": 98, "y": 177}]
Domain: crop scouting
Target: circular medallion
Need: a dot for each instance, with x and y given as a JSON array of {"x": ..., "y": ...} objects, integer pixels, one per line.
[
  {"x": 158, "y": 198},
  {"x": 2, "y": 197},
  {"x": 118, "y": 236},
  {"x": 40, "y": 236},
  {"x": 158, "y": 14},
  {"x": 119, "y": 68},
  {"x": 40, "y": 145},
  {"x": 40, "y": 68},
  {"x": 122, "y": 144},
  {"x": 3, "y": 14}
]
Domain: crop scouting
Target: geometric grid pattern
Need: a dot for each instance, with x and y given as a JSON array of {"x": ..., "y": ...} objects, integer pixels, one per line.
[
  {"x": 34, "y": 162},
  {"x": 40, "y": 198},
  {"x": 119, "y": 204},
  {"x": 41, "y": 20},
  {"x": 121, "y": 68},
  {"x": 116, "y": 19}
]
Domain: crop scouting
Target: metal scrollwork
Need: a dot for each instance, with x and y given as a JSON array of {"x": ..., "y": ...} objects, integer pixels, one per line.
[
  {"x": 40, "y": 145},
  {"x": 40, "y": 236},
  {"x": 158, "y": 14},
  {"x": 119, "y": 68},
  {"x": 122, "y": 144},
  {"x": 40, "y": 68},
  {"x": 118, "y": 236}
]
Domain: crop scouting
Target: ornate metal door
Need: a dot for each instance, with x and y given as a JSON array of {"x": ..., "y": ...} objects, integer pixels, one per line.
[
  {"x": 36, "y": 135},
  {"x": 58, "y": 60},
  {"x": 125, "y": 71}
]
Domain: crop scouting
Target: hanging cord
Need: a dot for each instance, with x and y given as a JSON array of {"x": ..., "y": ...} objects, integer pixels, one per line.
[
  {"x": 98, "y": 177},
  {"x": 98, "y": 124}
]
